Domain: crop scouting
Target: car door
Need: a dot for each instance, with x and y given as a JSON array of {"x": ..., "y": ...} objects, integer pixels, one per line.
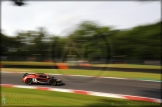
[{"x": 42, "y": 79}]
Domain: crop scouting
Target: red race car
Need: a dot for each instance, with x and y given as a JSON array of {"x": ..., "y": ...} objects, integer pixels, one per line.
[{"x": 41, "y": 78}]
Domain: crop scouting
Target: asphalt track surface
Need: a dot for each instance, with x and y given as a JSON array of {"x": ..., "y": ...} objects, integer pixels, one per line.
[{"x": 117, "y": 86}]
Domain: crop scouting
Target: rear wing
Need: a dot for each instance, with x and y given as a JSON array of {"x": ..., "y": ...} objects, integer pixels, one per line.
[{"x": 25, "y": 74}]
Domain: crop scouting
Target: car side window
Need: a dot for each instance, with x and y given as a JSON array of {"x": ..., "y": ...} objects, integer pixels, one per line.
[{"x": 42, "y": 76}]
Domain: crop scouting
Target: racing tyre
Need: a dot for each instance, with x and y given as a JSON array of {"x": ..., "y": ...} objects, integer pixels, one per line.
[
  {"x": 28, "y": 81},
  {"x": 54, "y": 83}
]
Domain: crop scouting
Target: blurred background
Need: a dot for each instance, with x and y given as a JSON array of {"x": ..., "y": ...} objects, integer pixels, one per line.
[
  {"x": 128, "y": 32},
  {"x": 81, "y": 38}
]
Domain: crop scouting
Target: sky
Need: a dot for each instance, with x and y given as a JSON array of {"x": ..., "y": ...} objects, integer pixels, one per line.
[{"x": 61, "y": 17}]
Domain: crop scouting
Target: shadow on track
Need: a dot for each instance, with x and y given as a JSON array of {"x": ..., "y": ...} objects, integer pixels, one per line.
[
  {"x": 153, "y": 93},
  {"x": 44, "y": 85}
]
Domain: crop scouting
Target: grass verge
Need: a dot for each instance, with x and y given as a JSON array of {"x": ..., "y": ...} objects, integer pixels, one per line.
[
  {"x": 98, "y": 65},
  {"x": 136, "y": 75},
  {"x": 129, "y": 66},
  {"x": 31, "y": 97}
]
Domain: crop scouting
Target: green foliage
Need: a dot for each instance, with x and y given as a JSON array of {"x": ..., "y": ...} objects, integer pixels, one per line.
[
  {"x": 41, "y": 98},
  {"x": 89, "y": 41}
]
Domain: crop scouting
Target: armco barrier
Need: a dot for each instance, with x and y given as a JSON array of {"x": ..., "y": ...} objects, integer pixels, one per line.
[{"x": 64, "y": 66}]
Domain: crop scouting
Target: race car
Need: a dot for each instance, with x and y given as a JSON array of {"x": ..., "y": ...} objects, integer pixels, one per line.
[{"x": 41, "y": 78}]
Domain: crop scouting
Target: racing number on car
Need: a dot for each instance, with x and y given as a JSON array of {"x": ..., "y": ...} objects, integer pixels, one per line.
[{"x": 34, "y": 80}]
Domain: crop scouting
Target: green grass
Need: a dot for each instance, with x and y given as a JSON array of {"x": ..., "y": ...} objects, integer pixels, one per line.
[
  {"x": 98, "y": 65},
  {"x": 31, "y": 97},
  {"x": 90, "y": 73},
  {"x": 26, "y": 63},
  {"x": 129, "y": 66}
]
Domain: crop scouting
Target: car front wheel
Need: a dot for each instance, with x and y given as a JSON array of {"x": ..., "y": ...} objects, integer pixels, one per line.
[
  {"x": 28, "y": 81},
  {"x": 54, "y": 83}
]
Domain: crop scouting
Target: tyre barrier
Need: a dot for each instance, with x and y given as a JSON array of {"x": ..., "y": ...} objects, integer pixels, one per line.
[{"x": 61, "y": 66}]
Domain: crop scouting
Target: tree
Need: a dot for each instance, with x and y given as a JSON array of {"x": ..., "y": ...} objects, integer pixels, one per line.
[{"x": 89, "y": 41}]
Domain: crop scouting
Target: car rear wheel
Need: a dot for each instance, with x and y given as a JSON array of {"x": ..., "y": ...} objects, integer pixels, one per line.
[{"x": 28, "y": 81}]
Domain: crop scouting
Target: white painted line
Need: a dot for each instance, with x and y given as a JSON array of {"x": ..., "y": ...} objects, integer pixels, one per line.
[
  {"x": 158, "y": 100},
  {"x": 106, "y": 95},
  {"x": 61, "y": 90},
  {"x": 5, "y": 72},
  {"x": 53, "y": 74},
  {"x": 150, "y": 80},
  {"x": 81, "y": 75},
  {"x": 114, "y": 78},
  {"x": 23, "y": 86}
]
